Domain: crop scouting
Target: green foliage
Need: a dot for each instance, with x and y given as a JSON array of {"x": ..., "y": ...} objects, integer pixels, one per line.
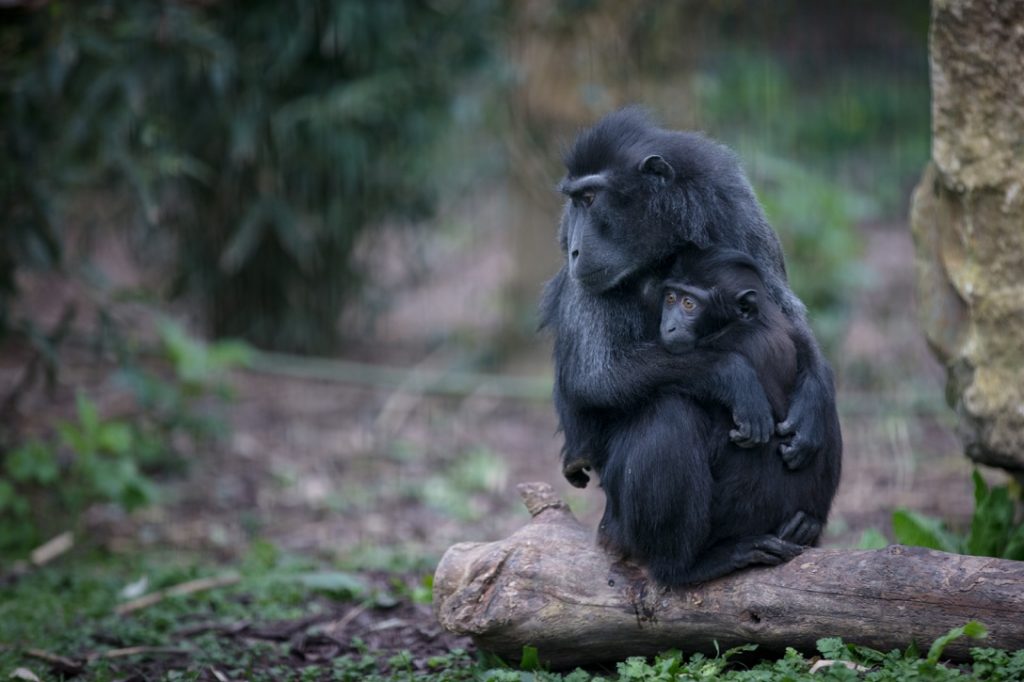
[
  {"x": 47, "y": 482},
  {"x": 850, "y": 662},
  {"x": 174, "y": 398},
  {"x": 872, "y": 538},
  {"x": 972, "y": 629},
  {"x": 69, "y": 608},
  {"x": 826, "y": 149},
  {"x": 455, "y": 491},
  {"x": 997, "y": 526},
  {"x": 258, "y": 139},
  {"x": 336, "y": 584},
  {"x": 998, "y": 665},
  {"x": 815, "y": 220},
  {"x": 104, "y": 465},
  {"x": 530, "y": 659},
  {"x": 862, "y": 122}
]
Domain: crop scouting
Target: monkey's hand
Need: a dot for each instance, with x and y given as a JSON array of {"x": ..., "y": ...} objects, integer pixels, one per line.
[
  {"x": 575, "y": 474},
  {"x": 802, "y": 529},
  {"x": 752, "y": 414},
  {"x": 804, "y": 426}
]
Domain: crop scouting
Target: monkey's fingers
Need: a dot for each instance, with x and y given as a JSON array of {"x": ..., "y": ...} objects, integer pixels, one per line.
[
  {"x": 773, "y": 550},
  {"x": 744, "y": 441},
  {"x": 802, "y": 529},
  {"x": 796, "y": 453},
  {"x": 751, "y": 434}
]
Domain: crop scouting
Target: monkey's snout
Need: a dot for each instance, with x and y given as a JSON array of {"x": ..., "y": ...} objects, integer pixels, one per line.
[{"x": 576, "y": 253}]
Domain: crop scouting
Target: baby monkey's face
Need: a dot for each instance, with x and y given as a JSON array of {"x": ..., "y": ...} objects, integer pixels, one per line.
[{"x": 682, "y": 311}]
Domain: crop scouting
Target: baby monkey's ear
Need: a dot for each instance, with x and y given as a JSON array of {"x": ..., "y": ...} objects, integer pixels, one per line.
[
  {"x": 746, "y": 304},
  {"x": 651, "y": 291}
]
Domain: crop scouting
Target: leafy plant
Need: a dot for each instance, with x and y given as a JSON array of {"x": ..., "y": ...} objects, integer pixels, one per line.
[
  {"x": 103, "y": 463},
  {"x": 174, "y": 397},
  {"x": 997, "y": 525},
  {"x": 48, "y": 481}
]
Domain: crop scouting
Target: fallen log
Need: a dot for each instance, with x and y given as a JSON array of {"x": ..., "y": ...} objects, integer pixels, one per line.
[{"x": 550, "y": 586}]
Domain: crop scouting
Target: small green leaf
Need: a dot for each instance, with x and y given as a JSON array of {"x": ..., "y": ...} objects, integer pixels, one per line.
[
  {"x": 872, "y": 538},
  {"x": 88, "y": 415},
  {"x": 336, "y": 584},
  {"x": 975, "y": 630},
  {"x": 729, "y": 653},
  {"x": 115, "y": 437},
  {"x": 972, "y": 629},
  {"x": 980, "y": 487},
  {"x": 833, "y": 649},
  {"x": 911, "y": 528},
  {"x": 1015, "y": 545},
  {"x": 34, "y": 461},
  {"x": 75, "y": 438},
  {"x": 10, "y": 500},
  {"x": 992, "y": 522},
  {"x": 226, "y": 354},
  {"x": 530, "y": 659}
]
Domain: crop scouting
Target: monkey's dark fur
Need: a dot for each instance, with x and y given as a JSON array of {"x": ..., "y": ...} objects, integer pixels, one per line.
[
  {"x": 638, "y": 196},
  {"x": 682, "y": 498}
]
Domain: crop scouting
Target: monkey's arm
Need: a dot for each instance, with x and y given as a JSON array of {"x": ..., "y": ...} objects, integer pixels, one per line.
[
  {"x": 624, "y": 379},
  {"x": 582, "y": 445},
  {"x": 811, "y": 423}
]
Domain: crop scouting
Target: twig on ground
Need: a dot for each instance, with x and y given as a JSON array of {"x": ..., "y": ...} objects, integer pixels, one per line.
[
  {"x": 40, "y": 556},
  {"x": 186, "y": 588},
  {"x": 138, "y": 650}
]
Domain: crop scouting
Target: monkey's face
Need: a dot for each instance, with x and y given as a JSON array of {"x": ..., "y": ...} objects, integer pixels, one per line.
[
  {"x": 681, "y": 313},
  {"x": 604, "y": 234},
  {"x": 591, "y": 234}
]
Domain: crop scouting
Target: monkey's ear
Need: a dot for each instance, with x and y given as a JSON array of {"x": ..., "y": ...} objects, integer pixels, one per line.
[
  {"x": 746, "y": 304},
  {"x": 655, "y": 165},
  {"x": 650, "y": 292}
]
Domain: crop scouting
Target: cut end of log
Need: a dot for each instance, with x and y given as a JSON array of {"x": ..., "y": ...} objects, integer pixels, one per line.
[{"x": 538, "y": 497}]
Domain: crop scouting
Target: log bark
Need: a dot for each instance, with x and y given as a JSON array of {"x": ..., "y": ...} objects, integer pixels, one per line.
[{"x": 550, "y": 586}]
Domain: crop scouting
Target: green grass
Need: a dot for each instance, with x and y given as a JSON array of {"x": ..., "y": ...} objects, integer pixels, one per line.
[{"x": 68, "y": 610}]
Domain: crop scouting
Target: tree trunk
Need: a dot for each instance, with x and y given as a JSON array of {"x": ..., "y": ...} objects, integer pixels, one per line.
[{"x": 550, "y": 586}]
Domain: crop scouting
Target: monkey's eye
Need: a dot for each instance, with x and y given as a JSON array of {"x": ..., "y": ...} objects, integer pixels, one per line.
[
  {"x": 688, "y": 304},
  {"x": 587, "y": 197},
  {"x": 670, "y": 298}
]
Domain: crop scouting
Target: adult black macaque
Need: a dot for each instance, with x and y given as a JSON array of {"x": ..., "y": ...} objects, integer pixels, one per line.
[
  {"x": 638, "y": 195},
  {"x": 681, "y": 497}
]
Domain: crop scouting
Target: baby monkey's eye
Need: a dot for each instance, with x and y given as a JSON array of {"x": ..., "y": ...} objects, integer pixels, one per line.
[
  {"x": 688, "y": 303},
  {"x": 587, "y": 197}
]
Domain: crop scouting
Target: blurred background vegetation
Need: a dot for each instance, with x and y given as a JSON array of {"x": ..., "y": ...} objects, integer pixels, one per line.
[
  {"x": 192, "y": 186},
  {"x": 373, "y": 181}
]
